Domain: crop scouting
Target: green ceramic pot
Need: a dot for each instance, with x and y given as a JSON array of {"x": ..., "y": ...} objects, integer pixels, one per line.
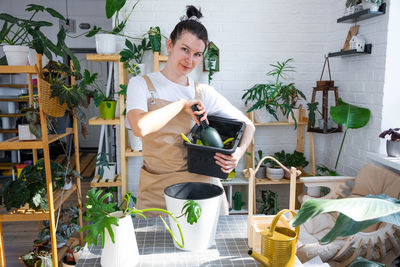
[{"x": 107, "y": 109}]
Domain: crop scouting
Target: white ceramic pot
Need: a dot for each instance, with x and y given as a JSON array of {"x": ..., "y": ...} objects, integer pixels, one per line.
[
  {"x": 109, "y": 172},
  {"x": 263, "y": 116},
  {"x": 296, "y": 113},
  {"x": 24, "y": 133},
  {"x": 16, "y": 55},
  {"x": 275, "y": 173},
  {"x": 370, "y": 6},
  {"x": 134, "y": 142},
  {"x": 314, "y": 191},
  {"x": 32, "y": 58},
  {"x": 201, "y": 235},
  {"x": 124, "y": 252},
  {"x": 106, "y": 43},
  {"x": 67, "y": 186}
]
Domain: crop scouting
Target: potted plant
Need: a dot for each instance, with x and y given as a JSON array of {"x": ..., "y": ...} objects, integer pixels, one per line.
[
  {"x": 275, "y": 95},
  {"x": 106, "y": 41},
  {"x": 296, "y": 159},
  {"x": 39, "y": 256},
  {"x": 132, "y": 56},
  {"x": 352, "y": 117},
  {"x": 107, "y": 170},
  {"x": 119, "y": 247},
  {"x": 274, "y": 171},
  {"x": 17, "y": 32},
  {"x": 269, "y": 203},
  {"x": 211, "y": 60},
  {"x": 262, "y": 171},
  {"x": 392, "y": 144},
  {"x": 372, "y": 5},
  {"x": 154, "y": 34},
  {"x": 312, "y": 107}
]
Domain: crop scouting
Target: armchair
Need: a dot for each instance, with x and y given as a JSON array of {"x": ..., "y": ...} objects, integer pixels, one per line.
[{"x": 380, "y": 242}]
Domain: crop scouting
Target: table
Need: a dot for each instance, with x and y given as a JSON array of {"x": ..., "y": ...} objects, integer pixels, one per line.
[{"x": 156, "y": 247}]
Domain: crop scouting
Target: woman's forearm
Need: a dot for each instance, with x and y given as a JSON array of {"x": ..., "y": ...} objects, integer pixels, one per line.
[{"x": 144, "y": 123}]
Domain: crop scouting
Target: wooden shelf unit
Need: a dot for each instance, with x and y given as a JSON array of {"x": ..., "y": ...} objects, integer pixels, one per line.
[
  {"x": 301, "y": 129},
  {"x": 54, "y": 197},
  {"x": 121, "y": 179}
]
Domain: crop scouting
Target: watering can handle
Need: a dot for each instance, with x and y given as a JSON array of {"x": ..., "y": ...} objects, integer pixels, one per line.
[{"x": 276, "y": 219}]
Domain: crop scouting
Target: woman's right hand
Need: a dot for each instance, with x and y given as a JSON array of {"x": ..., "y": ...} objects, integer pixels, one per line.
[{"x": 202, "y": 112}]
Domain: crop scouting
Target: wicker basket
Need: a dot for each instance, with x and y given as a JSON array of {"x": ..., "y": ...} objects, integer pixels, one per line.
[{"x": 51, "y": 105}]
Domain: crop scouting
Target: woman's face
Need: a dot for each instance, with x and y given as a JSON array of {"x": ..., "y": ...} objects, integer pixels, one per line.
[{"x": 186, "y": 53}]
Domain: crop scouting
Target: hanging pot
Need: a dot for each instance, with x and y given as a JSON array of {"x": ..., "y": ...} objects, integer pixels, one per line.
[
  {"x": 201, "y": 235},
  {"x": 106, "y": 43},
  {"x": 124, "y": 252},
  {"x": 17, "y": 55},
  {"x": 107, "y": 109},
  {"x": 110, "y": 171}
]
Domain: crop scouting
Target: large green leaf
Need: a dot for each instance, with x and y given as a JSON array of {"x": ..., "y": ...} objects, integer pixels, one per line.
[
  {"x": 349, "y": 115},
  {"x": 355, "y": 215}
]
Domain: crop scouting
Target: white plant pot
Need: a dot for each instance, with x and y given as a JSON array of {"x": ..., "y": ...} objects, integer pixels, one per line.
[
  {"x": 32, "y": 58},
  {"x": 321, "y": 124},
  {"x": 16, "y": 55},
  {"x": 275, "y": 173},
  {"x": 263, "y": 116},
  {"x": 109, "y": 172},
  {"x": 106, "y": 43},
  {"x": 67, "y": 186},
  {"x": 134, "y": 142},
  {"x": 24, "y": 133},
  {"x": 296, "y": 113},
  {"x": 370, "y": 6},
  {"x": 314, "y": 191},
  {"x": 124, "y": 252},
  {"x": 201, "y": 235}
]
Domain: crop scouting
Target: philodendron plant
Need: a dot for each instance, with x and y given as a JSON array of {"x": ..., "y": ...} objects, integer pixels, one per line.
[
  {"x": 356, "y": 214},
  {"x": 99, "y": 218},
  {"x": 351, "y": 117}
]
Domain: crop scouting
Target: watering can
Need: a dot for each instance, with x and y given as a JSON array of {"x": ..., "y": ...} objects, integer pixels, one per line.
[
  {"x": 237, "y": 201},
  {"x": 278, "y": 244}
]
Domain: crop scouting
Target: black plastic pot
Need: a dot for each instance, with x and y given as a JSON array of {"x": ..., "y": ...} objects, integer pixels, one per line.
[
  {"x": 194, "y": 191},
  {"x": 201, "y": 158}
]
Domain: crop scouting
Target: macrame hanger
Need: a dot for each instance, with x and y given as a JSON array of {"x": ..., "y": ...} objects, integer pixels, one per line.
[{"x": 323, "y": 69}]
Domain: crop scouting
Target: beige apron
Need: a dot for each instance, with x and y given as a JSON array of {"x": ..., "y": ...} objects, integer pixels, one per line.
[{"x": 165, "y": 158}]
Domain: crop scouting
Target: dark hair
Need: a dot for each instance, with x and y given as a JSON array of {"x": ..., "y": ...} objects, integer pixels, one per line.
[{"x": 190, "y": 25}]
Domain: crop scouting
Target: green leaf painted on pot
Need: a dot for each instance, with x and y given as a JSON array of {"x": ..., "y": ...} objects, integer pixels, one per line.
[
  {"x": 192, "y": 211},
  {"x": 355, "y": 215},
  {"x": 349, "y": 115}
]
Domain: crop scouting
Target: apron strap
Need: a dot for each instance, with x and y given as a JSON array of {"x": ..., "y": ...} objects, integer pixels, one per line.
[
  {"x": 150, "y": 85},
  {"x": 197, "y": 90}
]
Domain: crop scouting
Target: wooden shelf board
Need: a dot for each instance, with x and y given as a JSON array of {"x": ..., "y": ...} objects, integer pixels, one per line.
[
  {"x": 10, "y": 115},
  {"x": 14, "y": 99},
  {"x": 28, "y": 216},
  {"x": 100, "y": 182},
  {"x": 278, "y": 123},
  {"x": 281, "y": 181},
  {"x": 57, "y": 196},
  {"x": 162, "y": 58},
  {"x": 103, "y": 57},
  {"x": 362, "y": 15},
  {"x": 8, "y": 130},
  {"x": 15, "y": 85},
  {"x": 132, "y": 153},
  {"x": 16, "y": 144},
  {"x": 18, "y": 69},
  {"x": 100, "y": 121}
]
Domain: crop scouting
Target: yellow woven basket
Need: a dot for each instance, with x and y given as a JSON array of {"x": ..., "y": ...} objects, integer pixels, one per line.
[{"x": 51, "y": 105}]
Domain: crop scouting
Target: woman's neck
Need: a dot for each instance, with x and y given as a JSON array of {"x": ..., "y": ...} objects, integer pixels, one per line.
[{"x": 174, "y": 77}]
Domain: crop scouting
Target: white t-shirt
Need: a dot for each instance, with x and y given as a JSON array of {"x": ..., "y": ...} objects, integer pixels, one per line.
[{"x": 214, "y": 103}]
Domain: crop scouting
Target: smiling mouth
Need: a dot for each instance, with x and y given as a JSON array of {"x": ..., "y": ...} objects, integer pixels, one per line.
[{"x": 186, "y": 68}]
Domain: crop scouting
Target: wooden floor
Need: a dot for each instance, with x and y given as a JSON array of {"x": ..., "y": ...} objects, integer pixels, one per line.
[{"x": 19, "y": 236}]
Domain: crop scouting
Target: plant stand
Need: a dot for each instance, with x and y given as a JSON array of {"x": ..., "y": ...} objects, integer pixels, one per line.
[{"x": 56, "y": 198}]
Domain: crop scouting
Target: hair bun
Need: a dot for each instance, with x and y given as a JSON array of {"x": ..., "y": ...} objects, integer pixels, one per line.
[{"x": 193, "y": 11}]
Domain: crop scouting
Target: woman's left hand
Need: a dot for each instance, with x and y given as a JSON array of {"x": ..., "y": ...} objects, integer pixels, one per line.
[{"x": 228, "y": 162}]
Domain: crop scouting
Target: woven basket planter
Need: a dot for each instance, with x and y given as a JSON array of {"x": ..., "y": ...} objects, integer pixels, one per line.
[{"x": 51, "y": 105}]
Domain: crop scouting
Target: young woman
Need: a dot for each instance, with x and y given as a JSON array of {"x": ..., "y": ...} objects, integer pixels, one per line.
[{"x": 159, "y": 109}]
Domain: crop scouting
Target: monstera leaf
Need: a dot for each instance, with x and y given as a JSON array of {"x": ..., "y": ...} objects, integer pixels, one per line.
[
  {"x": 355, "y": 215},
  {"x": 349, "y": 116}
]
